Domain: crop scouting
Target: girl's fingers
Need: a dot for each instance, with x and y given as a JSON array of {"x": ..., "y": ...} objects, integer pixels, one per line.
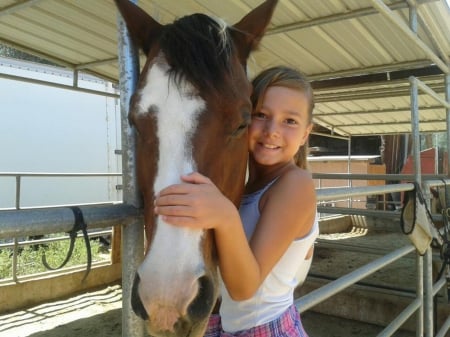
[
  {"x": 195, "y": 178},
  {"x": 177, "y": 211},
  {"x": 171, "y": 200}
]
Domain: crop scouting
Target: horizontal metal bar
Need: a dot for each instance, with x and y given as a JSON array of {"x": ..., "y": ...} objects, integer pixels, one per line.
[
  {"x": 438, "y": 285},
  {"x": 444, "y": 328},
  {"x": 387, "y": 177},
  {"x": 335, "y": 18},
  {"x": 395, "y": 19},
  {"x": 50, "y": 174},
  {"x": 20, "y": 223},
  {"x": 329, "y": 136},
  {"x": 401, "y": 318},
  {"x": 425, "y": 88},
  {"x": 406, "y": 110},
  {"x": 316, "y": 296},
  {"x": 359, "y": 211},
  {"x": 59, "y": 86},
  {"x": 51, "y": 239},
  {"x": 340, "y": 192}
]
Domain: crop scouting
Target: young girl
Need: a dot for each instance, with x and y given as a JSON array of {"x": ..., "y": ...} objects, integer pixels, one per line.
[{"x": 265, "y": 248}]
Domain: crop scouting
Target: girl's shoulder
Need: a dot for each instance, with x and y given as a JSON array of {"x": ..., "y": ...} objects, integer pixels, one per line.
[
  {"x": 295, "y": 183},
  {"x": 294, "y": 178}
]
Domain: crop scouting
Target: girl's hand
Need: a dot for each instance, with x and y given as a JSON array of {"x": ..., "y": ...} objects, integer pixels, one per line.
[{"x": 196, "y": 203}]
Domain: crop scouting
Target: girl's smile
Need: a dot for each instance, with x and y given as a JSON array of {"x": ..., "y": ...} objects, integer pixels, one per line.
[{"x": 280, "y": 126}]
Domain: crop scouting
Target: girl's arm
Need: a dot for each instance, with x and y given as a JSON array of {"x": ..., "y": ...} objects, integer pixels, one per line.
[{"x": 287, "y": 212}]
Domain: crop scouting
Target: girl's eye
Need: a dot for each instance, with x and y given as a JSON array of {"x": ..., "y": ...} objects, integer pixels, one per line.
[
  {"x": 259, "y": 115},
  {"x": 291, "y": 121}
]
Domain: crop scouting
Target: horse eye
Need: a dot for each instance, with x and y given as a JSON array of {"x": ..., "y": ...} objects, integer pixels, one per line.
[{"x": 240, "y": 129}]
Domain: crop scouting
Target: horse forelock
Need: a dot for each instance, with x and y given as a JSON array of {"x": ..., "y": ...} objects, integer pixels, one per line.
[{"x": 198, "y": 49}]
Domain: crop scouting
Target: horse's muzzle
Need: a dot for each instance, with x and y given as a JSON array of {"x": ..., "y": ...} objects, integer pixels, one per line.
[{"x": 193, "y": 323}]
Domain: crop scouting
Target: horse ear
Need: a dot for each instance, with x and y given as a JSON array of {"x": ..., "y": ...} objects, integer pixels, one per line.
[
  {"x": 249, "y": 31},
  {"x": 143, "y": 29}
]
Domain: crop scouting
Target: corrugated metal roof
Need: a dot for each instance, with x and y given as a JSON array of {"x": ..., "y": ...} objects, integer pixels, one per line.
[{"x": 327, "y": 40}]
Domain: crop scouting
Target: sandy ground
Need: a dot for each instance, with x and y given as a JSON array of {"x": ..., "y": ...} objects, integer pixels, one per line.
[
  {"x": 98, "y": 314},
  {"x": 91, "y": 314}
]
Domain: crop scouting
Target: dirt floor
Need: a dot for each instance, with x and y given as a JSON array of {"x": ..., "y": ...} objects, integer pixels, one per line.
[{"x": 98, "y": 314}]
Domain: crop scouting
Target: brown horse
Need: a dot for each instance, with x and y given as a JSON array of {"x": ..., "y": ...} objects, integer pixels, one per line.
[{"x": 191, "y": 112}]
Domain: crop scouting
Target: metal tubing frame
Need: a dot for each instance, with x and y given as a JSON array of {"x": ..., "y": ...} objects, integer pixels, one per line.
[
  {"x": 416, "y": 84},
  {"x": 414, "y": 94},
  {"x": 28, "y": 222},
  {"x": 133, "y": 233},
  {"x": 408, "y": 32},
  {"x": 446, "y": 325},
  {"x": 340, "y": 192},
  {"x": 316, "y": 296},
  {"x": 401, "y": 318}
]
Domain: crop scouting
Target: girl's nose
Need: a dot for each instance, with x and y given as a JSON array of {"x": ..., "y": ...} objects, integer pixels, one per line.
[{"x": 271, "y": 128}]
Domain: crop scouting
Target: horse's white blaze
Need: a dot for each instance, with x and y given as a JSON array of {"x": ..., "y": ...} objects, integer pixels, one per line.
[{"x": 171, "y": 268}]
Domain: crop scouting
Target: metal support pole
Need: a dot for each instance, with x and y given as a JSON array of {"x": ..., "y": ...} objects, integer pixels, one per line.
[
  {"x": 415, "y": 129},
  {"x": 419, "y": 295},
  {"x": 133, "y": 234},
  {"x": 428, "y": 294},
  {"x": 447, "y": 98},
  {"x": 349, "y": 168},
  {"x": 422, "y": 321},
  {"x": 399, "y": 23}
]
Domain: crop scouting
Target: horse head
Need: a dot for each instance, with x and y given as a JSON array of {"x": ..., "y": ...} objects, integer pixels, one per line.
[{"x": 190, "y": 110}]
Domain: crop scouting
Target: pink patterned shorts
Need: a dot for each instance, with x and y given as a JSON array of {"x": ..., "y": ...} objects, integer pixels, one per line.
[{"x": 287, "y": 325}]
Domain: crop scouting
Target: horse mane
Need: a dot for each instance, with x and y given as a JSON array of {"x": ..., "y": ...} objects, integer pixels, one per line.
[{"x": 197, "y": 49}]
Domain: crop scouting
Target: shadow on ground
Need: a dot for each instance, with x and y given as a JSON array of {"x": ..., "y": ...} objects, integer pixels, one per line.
[{"x": 108, "y": 324}]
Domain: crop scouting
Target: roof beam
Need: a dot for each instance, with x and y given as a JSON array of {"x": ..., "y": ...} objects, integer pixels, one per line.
[
  {"x": 58, "y": 85},
  {"x": 96, "y": 63},
  {"x": 394, "y": 19},
  {"x": 402, "y": 123},
  {"x": 377, "y": 112},
  {"x": 337, "y": 17},
  {"x": 369, "y": 93},
  {"x": 18, "y": 6},
  {"x": 384, "y": 68},
  {"x": 378, "y": 77}
]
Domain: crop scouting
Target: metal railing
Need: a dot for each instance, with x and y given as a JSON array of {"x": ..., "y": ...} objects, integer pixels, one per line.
[
  {"x": 425, "y": 289},
  {"x": 21, "y": 233},
  {"x": 19, "y": 175}
]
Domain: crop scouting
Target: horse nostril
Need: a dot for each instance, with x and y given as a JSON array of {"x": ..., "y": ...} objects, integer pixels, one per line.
[
  {"x": 136, "y": 302},
  {"x": 204, "y": 301}
]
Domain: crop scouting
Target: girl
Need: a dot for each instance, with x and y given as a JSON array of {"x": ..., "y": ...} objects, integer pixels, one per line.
[{"x": 265, "y": 248}]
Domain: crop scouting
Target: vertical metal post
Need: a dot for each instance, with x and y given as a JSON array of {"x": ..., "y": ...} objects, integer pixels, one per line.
[
  {"x": 349, "y": 168},
  {"x": 133, "y": 234},
  {"x": 447, "y": 98},
  {"x": 419, "y": 294},
  {"x": 414, "y": 92},
  {"x": 415, "y": 129},
  {"x": 18, "y": 181},
  {"x": 428, "y": 295}
]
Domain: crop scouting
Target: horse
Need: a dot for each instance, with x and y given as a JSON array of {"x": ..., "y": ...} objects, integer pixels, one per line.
[{"x": 190, "y": 111}]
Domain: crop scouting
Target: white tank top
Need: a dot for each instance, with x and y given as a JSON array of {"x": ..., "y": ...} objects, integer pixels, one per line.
[{"x": 276, "y": 293}]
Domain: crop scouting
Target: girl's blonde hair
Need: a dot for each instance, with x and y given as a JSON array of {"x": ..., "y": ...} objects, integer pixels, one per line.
[{"x": 282, "y": 76}]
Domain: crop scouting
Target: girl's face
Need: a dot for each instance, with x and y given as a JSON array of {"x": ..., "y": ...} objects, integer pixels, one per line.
[{"x": 280, "y": 126}]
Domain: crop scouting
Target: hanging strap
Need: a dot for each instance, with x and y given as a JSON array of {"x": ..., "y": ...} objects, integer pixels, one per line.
[{"x": 79, "y": 225}]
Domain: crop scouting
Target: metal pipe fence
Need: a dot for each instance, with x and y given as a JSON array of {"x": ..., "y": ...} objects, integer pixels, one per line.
[
  {"x": 425, "y": 289},
  {"x": 17, "y": 224}
]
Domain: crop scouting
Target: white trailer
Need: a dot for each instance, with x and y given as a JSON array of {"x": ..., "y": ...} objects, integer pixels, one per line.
[{"x": 57, "y": 129}]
